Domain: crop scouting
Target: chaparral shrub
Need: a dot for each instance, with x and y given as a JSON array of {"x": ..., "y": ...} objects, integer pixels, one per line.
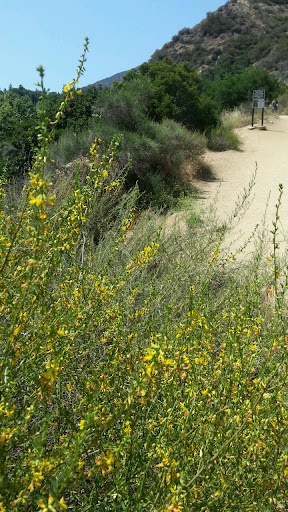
[{"x": 135, "y": 375}]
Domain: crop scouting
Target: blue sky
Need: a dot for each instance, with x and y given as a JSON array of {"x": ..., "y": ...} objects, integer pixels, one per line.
[{"x": 122, "y": 35}]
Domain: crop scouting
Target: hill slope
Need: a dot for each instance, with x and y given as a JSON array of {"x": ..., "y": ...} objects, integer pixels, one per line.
[
  {"x": 108, "y": 82},
  {"x": 239, "y": 34}
]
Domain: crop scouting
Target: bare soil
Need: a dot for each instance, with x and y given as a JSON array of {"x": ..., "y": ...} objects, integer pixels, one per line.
[{"x": 266, "y": 151}]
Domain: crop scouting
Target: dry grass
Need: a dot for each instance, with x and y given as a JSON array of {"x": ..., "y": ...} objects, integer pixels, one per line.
[
  {"x": 196, "y": 169},
  {"x": 236, "y": 118}
]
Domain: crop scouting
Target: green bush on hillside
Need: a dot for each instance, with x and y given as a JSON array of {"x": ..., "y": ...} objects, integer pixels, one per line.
[
  {"x": 18, "y": 122},
  {"x": 215, "y": 24},
  {"x": 17, "y": 132}
]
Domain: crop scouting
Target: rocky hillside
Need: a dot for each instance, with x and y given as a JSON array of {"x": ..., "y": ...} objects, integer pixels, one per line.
[{"x": 239, "y": 34}]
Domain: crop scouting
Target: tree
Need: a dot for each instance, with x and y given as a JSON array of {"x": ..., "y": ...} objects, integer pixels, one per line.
[
  {"x": 176, "y": 93},
  {"x": 18, "y": 121},
  {"x": 232, "y": 90}
]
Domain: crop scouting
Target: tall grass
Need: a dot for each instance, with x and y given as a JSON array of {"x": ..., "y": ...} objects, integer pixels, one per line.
[
  {"x": 236, "y": 118},
  {"x": 141, "y": 372},
  {"x": 223, "y": 138}
]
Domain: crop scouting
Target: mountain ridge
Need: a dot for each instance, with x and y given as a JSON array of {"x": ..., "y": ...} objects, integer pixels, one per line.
[
  {"x": 108, "y": 82},
  {"x": 238, "y": 34}
]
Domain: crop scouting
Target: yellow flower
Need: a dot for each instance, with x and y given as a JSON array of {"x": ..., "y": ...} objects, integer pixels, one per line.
[
  {"x": 68, "y": 87},
  {"x": 127, "y": 428},
  {"x": 62, "y": 504},
  {"x": 36, "y": 482},
  {"x": 41, "y": 200}
]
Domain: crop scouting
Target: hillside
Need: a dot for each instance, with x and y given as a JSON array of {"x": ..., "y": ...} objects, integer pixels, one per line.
[
  {"x": 239, "y": 34},
  {"x": 108, "y": 82}
]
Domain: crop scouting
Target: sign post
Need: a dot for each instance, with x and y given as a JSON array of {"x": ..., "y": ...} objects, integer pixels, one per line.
[{"x": 258, "y": 102}]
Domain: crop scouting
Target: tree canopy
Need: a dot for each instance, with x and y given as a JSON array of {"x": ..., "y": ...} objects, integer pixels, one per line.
[
  {"x": 176, "y": 93},
  {"x": 234, "y": 89}
]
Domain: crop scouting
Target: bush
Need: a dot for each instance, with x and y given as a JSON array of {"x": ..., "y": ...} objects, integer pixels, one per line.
[
  {"x": 143, "y": 373},
  {"x": 235, "y": 89},
  {"x": 223, "y": 138},
  {"x": 71, "y": 145},
  {"x": 17, "y": 133},
  {"x": 125, "y": 106},
  {"x": 215, "y": 24},
  {"x": 148, "y": 148},
  {"x": 162, "y": 153},
  {"x": 176, "y": 93}
]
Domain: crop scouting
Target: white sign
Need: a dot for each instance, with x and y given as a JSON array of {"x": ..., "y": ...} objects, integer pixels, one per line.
[
  {"x": 260, "y": 104},
  {"x": 259, "y": 98}
]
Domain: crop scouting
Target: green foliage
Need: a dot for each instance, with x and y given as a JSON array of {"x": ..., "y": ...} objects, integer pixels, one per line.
[
  {"x": 223, "y": 138},
  {"x": 148, "y": 147},
  {"x": 17, "y": 132},
  {"x": 232, "y": 90},
  {"x": 215, "y": 24},
  {"x": 177, "y": 94},
  {"x": 21, "y": 91},
  {"x": 79, "y": 111},
  {"x": 151, "y": 152},
  {"x": 18, "y": 122},
  {"x": 266, "y": 50},
  {"x": 156, "y": 160},
  {"x": 125, "y": 106}
]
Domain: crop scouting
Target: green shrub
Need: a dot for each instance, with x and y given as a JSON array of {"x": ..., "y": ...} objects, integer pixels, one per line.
[
  {"x": 233, "y": 90},
  {"x": 223, "y": 138},
  {"x": 17, "y": 133},
  {"x": 153, "y": 155},
  {"x": 215, "y": 24},
  {"x": 125, "y": 106},
  {"x": 72, "y": 145},
  {"x": 159, "y": 156},
  {"x": 176, "y": 92},
  {"x": 283, "y": 103}
]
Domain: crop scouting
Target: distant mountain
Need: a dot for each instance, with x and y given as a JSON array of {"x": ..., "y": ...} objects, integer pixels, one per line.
[
  {"x": 239, "y": 34},
  {"x": 108, "y": 82}
]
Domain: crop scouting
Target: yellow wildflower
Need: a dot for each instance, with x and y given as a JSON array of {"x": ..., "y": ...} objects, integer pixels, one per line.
[{"x": 62, "y": 504}]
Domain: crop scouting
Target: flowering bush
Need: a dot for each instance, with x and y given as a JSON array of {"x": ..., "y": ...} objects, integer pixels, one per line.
[{"x": 128, "y": 381}]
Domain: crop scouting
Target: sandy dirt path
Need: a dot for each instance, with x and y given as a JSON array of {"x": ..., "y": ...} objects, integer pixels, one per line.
[{"x": 268, "y": 150}]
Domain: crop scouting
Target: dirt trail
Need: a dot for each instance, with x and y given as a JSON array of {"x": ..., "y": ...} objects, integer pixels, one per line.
[{"x": 234, "y": 170}]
